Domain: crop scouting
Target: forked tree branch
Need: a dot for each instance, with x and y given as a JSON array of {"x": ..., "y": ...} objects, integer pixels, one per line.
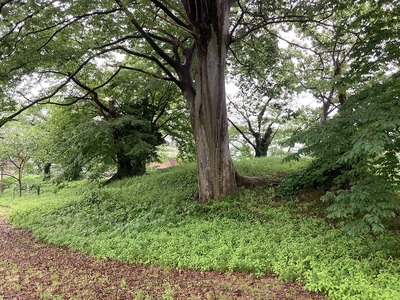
[
  {"x": 146, "y": 36},
  {"x": 170, "y": 14}
]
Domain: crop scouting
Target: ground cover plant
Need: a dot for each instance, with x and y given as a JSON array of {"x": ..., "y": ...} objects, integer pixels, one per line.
[
  {"x": 31, "y": 269},
  {"x": 156, "y": 220}
]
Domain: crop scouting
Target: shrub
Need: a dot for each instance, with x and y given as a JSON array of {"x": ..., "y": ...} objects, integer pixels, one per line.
[{"x": 356, "y": 158}]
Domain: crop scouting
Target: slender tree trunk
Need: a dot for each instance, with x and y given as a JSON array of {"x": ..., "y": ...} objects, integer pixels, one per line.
[
  {"x": 1, "y": 178},
  {"x": 20, "y": 181},
  {"x": 325, "y": 110}
]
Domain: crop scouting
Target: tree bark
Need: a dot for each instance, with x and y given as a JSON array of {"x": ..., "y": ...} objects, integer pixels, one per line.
[
  {"x": 207, "y": 100},
  {"x": 326, "y": 104},
  {"x": 216, "y": 173}
]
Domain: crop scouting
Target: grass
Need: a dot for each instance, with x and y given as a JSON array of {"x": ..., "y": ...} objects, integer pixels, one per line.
[{"x": 155, "y": 219}]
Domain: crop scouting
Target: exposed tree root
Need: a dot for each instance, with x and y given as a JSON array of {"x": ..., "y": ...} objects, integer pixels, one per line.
[{"x": 248, "y": 181}]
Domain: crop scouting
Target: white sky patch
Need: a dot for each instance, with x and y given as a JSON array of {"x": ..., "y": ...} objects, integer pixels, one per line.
[
  {"x": 231, "y": 89},
  {"x": 287, "y": 35},
  {"x": 306, "y": 99}
]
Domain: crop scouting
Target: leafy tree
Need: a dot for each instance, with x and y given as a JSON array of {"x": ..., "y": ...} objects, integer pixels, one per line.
[
  {"x": 356, "y": 158},
  {"x": 358, "y": 42},
  {"x": 376, "y": 53},
  {"x": 183, "y": 42},
  {"x": 239, "y": 148},
  {"x": 263, "y": 121},
  {"x": 118, "y": 125},
  {"x": 356, "y": 152},
  {"x": 265, "y": 99},
  {"x": 180, "y": 131},
  {"x": 76, "y": 140},
  {"x": 323, "y": 58},
  {"x": 17, "y": 147}
]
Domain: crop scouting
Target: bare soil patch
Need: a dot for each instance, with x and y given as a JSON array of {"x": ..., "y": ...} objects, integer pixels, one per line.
[{"x": 33, "y": 270}]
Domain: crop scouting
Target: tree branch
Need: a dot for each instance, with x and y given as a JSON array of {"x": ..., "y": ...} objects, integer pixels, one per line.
[
  {"x": 146, "y": 36},
  {"x": 265, "y": 21},
  {"x": 3, "y": 3},
  {"x": 148, "y": 73},
  {"x": 169, "y": 77},
  {"x": 75, "y": 19},
  {"x": 239, "y": 20},
  {"x": 242, "y": 133},
  {"x": 95, "y": 97},
  {"x": 54, "y": 92},
  {"x": 117, "y": 41},
  {"x": 170, "y": 14},
  {"x": 76, "y": 100}
]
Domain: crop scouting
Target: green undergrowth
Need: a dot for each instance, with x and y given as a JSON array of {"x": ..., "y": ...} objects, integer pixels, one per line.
[{"x": 155, "y": 219}]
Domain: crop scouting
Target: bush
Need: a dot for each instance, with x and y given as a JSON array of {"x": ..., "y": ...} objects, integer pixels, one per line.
[{"x": 356, "y": 158}]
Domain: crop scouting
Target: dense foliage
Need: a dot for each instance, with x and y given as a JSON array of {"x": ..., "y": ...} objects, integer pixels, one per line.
[
  {"x": 357, "y": 158},
  {"x": 154, "y": 219}
]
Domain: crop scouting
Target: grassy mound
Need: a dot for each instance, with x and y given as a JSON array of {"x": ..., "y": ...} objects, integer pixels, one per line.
[{"x": 155, "y": 219}]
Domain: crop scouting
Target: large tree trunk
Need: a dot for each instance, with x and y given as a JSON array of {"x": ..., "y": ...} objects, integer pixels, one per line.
[
  {"x": 216, "y": 173},
  {"x": 128, "y": 168},
  {"x": 208, "y": 113}
]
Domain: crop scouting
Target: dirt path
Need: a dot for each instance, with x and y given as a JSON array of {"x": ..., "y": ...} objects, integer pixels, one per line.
[{"x": 35, "y": 270}]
